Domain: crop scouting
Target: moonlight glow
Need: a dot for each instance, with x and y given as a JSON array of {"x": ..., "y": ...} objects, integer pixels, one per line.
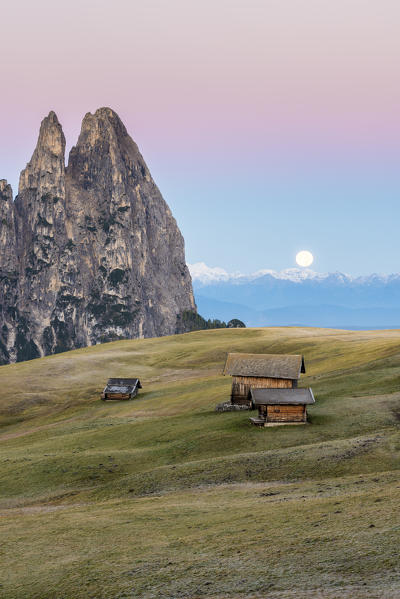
[{"x": 304, "y": 258}]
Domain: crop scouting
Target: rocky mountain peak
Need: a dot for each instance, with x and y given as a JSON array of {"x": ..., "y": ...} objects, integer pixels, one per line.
[
  {"x": 108, "y": 115},
  {"x": 99, "y": 254},
  {"x": 6, "y": 196},
  {"x": 47, "y": 164},
  {"x": 3, "y": 187},
  {"x": 7, "y": 229},
  {"x": 104, "y": 122},
  {"x": 104, "y": 143}
]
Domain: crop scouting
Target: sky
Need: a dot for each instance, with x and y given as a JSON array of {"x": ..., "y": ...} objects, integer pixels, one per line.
[{"x": 270, "y": 126}]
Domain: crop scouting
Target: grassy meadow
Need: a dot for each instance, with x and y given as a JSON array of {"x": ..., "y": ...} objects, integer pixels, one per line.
[{"x": 162, "y": 497}]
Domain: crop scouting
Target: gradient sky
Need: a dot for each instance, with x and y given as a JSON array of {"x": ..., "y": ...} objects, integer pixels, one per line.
[{"x": 270, "y": 126}]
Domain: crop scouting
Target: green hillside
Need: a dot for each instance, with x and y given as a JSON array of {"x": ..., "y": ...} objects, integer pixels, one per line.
[{"x": 162, "y": 497}]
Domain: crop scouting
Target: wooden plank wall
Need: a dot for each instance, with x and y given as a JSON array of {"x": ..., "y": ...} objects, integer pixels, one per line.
[
  {"x": 286, "y": 413},
  {"x": 241, "y": 384}
]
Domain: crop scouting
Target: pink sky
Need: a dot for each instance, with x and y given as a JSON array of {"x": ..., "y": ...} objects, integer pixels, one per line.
[
  {"x": 182, "y": 70},
  {"x": 215, "y": 85}
]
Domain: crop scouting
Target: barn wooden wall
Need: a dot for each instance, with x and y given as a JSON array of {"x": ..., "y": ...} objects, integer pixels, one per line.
[
  {"x": 241, "y": 384},
  {"x": 286, "y": 413}
]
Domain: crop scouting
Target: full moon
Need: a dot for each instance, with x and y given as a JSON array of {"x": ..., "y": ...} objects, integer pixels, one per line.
[{"x": 304, "y": 258}]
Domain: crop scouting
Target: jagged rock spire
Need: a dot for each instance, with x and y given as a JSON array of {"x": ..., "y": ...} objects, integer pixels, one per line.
[
  {"x": 8, "y": 274},
  {"x": 8, "y": 256},
  {"x": 46, "y": 167},
  {"x": 130, "y": 232},
  {"x": 99, "y": 254}
]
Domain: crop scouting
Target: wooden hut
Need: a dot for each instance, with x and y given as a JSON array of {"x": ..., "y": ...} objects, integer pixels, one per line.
[
  {"x": 281, "y": 405},
  {"x": 121, "y": 389},
  {"x": 262, "y": 371}
]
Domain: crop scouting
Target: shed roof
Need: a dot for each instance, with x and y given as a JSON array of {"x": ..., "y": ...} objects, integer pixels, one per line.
[
  {"x": 282, "y": 396},
  {"x": 275, "y": 366},
  {"x": 122, "y": 385}
]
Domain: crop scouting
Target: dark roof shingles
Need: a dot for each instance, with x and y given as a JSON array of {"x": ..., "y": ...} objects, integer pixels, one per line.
[
  {"x": 277, "y": 366},
  {"x": 122, "y": 385},
  {"x": 282, "y": 396}
]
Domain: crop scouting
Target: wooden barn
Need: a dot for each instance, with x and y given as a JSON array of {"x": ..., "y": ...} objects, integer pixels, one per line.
[
  {"x": 121, "y": 389},
  {"x": 280, "y": 406},
  {"x": 248, "y": 371}
]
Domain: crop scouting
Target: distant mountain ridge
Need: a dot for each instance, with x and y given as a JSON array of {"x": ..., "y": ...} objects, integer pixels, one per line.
[
  {"x": 298, "y": 297},
  {"x": 203, "y": 274}
]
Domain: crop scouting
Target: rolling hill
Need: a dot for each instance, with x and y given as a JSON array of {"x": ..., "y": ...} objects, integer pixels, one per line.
[{"x": 162, "y": 497}]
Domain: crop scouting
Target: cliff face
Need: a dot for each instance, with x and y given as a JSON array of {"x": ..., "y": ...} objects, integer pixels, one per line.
[
  {"x": 41, "y": 239},
  {"x": 8, "y": 274},
  {"x": 93, "y": 252}
]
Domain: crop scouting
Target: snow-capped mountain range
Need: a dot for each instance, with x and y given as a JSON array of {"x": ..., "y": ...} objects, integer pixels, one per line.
[
  {"x": 203, "y": 274},
  {"x": 298, "y": 296}
]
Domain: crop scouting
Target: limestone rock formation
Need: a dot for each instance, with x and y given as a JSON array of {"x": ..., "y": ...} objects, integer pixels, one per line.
[
  {"x": 8, "y": 274},
  {"x": 91, "y": 252}
]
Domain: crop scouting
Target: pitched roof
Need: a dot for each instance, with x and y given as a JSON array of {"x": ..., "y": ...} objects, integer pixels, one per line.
[
  {"x": 275, "y": 366},
  {"x": 282, "y": 396},
  {"x": 122, "y": 385}
]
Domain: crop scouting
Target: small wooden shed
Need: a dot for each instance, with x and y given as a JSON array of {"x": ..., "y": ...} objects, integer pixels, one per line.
[
  {"x": 121, "y": 389},
  {"x": 281, "y": 405},
  {"x": 261, "y": 371}
]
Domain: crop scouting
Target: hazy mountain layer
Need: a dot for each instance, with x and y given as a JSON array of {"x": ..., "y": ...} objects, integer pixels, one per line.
[{"x": 300, "y": 297}]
